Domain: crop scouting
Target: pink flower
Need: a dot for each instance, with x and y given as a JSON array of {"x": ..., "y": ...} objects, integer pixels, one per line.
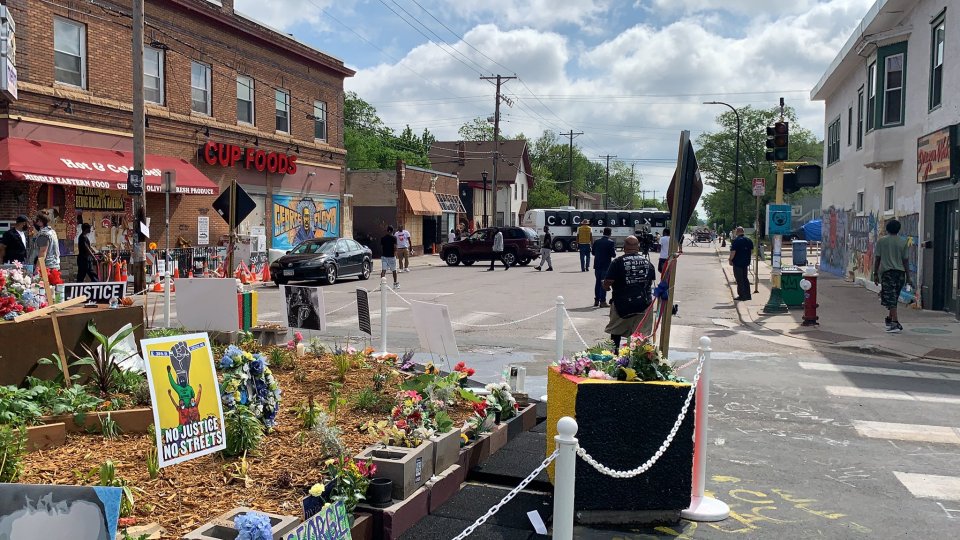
[{"x": 298, "y": 337}]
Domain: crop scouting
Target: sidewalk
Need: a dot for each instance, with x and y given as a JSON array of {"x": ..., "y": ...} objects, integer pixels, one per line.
[{"x": 851, "y": 318}]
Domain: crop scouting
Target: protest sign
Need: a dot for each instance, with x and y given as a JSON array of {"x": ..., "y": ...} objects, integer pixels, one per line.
[
  {"x": 100, "y": 293},
  {"x": 41, "y": 512},
  {"x": 329, "y": 523},
  {"x": 304, "y": 307}
]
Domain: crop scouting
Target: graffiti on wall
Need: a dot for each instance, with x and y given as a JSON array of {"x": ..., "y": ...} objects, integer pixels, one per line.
[
  {"x": 835, "y": 233},
  {"x": 296, "y": 219}
]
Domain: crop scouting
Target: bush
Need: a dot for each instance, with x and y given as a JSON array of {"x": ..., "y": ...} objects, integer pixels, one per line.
[
  {"x": 369, "y": 400},
  {"x": 141, "y": 394},
  {"x": 281, "y": 359},
  {"x": 13, "y": 441},
  {"x": 328, "y": 435},
  {"x": 244, "y": 431},
  {"x": 316, "y": 347}
]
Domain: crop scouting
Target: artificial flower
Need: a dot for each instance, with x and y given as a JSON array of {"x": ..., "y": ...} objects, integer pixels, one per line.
[
  {"x": 253, "y": 526},
  {"x": 316, "y": 490}
]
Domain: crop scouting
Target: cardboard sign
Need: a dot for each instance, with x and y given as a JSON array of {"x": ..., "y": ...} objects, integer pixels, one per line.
[
  {"x": 100, "y": 293},
  {"x": 187, "y": 411},
  {"x": 208, "y": 304},
  {"x": 330, "y": 523},
  {"x": 434, "y": 329},
  {"x": 40, "y": 512},
  {"x": 363, "y": 311},
  {"x": 304, "y": 307}
]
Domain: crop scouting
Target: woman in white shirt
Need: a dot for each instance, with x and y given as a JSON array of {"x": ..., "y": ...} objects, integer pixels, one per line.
[{"x": 664, "y": 249}]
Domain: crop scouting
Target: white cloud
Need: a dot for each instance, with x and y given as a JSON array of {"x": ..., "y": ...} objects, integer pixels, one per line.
[
  {"x": 542, "y": 14},
  {"x": 283, "y": 14}
]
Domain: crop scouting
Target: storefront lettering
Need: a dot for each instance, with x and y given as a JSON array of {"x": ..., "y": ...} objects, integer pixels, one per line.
[
  {"x": 100, "y": 167},
  {"x": 228, "y": 155},
  {"x": 933, "y": 156},
  {"x": 98, "y": 199}
]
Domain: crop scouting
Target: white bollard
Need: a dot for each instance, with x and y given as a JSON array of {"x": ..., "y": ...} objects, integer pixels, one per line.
[
  {"x": 560, "y": 311},
  {"x": 383, "y": 315},
  {"x": 703, "y": 508},
  {"x": 564, "y": 475}
]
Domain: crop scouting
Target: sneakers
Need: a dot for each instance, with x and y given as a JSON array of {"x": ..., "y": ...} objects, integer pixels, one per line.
[
  {"x": 537, "y": 268},
  {"x": 550, "y": 269},
  {"x": 604, "y": 305},
  {"x": 396, "y": 286},
  {"x": 894, "y": 327}
]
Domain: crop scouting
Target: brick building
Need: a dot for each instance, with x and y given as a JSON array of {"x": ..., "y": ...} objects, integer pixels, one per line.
[{"x": 226, "y": 99}]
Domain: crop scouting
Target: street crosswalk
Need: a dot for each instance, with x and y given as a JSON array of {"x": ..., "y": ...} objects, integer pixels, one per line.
[{"x": 940, "y": 486}]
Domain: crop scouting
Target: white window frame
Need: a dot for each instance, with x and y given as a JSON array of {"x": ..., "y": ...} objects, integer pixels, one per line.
[
  {"x": 937, "y": 51},
  {"x": 887, "y": 89},
  {"x": 208, "y": 102},
  {"x": 249, "y": 82},
  {"x": 889, "y": 199},
  {"x": 159, "y": 76},
  {"x": 860, "y": 197},
  {"x": 286, "y": 94},
  {"x": 321, "y": 107},
  {"x": 860, "y": 112},
  {"x": 871, "y": 96},
  {"x": 83, "y": 51}
]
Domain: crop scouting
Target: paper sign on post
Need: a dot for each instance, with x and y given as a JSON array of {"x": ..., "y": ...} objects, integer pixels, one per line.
[
  {"x": 330, "y": 523},
  {"x": 100, "y": 293},
  {"x": 434, "y": 329},
  {"x": 304, "y": 307}
]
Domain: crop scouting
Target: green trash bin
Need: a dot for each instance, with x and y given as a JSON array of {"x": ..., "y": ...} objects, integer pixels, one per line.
[{"x": 790, "y": 286}]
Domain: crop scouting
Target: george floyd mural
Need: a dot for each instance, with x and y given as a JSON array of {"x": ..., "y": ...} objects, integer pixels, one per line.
[{"x": 296, "y": 219}]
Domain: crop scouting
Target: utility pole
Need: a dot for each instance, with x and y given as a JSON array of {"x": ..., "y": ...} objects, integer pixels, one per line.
[
  {"x": 138, "y": 256},
  {"x": 496, "y": 142},
  {"x": 572, "y": 134},
  {"x": 633, "y": 189},
  {"x": 606, "y": 188}
]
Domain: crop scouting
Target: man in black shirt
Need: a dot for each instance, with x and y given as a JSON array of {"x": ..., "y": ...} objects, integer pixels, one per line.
[
  {"x": 604, "y": 250},
  {"x": 546, "y": 248},
  {"x": 15, "y": 241},
  {"x": 630, "y": 276},
  {"x": 388, "y": 256},
  {"x": 740, "y": 250},
  {"x": 86, "y": 264}
]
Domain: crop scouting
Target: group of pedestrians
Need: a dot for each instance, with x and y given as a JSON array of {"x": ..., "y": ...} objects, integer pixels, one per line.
[
  {"x": 395, "y": 253},
  {"x": 19, "y": 245}
]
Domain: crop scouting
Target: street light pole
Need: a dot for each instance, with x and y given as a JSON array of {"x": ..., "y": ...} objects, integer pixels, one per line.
[
  {"x": 484, "y": 175},
  {"x": 736, "y": 165}
]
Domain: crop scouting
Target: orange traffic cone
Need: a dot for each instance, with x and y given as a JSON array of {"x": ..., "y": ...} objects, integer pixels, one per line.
[
  {"x": 157, "y": 286},
  {"x": 176, "y": 270},
  {"x": 266, "y": 273},
  {"x": 117, "y": 271},
  {"x": 190, "y": 273},
  {"x": 123, "y": 272}
]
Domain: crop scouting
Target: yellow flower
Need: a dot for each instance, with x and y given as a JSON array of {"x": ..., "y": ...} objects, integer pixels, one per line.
[
  {"x": 236, "y": 396},
  {"x": 324, "y": 509},
  {"x": 329, "y": 462},
  {"x": 464, "y": 438},
  {"x": 606, "y": 353},
  {"x": 624, "y": 351},
  {"x": 316, "y": 490}
]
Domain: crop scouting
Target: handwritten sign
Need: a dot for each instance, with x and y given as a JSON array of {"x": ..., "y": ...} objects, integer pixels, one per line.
[
  {"x": 98, "y": 199},
  {"x": 330, "y": 523},
  {"x": 100, "y": 293},
  {"x": 363, "y": 311}
]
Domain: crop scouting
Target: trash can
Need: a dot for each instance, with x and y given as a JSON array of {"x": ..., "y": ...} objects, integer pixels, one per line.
[
  {"x": 799, "y": 252},
  {"x": 790, "y": 286}
]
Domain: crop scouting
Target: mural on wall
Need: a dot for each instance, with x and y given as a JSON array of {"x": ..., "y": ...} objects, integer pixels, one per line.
[
  {"x": 296, "y": 219},
  {"x": 835, "y": 233}
]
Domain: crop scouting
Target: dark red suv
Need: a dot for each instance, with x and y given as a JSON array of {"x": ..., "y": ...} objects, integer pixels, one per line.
[{"x": 520, "y": 246}]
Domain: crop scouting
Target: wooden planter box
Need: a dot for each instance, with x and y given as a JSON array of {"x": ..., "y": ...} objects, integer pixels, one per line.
[
  {"x": 622, "y": 424},
  {"x": 409, "y": 468},
  {"x": 446, "y": 450},
  {"x": 222, "y": 527},
  {"x": 129, "y": 420},
  {"x": 46, "y": 436}
]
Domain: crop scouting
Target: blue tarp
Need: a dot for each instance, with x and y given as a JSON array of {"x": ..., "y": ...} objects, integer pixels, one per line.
[{"x": 812, "y": 231}]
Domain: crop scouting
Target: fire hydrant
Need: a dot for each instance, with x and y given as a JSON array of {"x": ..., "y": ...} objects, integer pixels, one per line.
[{"x": 810, "y": 305}]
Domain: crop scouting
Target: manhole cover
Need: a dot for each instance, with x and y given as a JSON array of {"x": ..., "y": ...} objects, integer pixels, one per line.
[{"x": 937, "y": 331}]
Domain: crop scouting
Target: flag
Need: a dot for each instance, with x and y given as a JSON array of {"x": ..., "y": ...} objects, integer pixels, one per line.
[{"x": 689, "y": 189}]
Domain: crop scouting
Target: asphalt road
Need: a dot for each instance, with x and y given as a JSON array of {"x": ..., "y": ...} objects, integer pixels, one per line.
[{"x": 804, "y": 441}]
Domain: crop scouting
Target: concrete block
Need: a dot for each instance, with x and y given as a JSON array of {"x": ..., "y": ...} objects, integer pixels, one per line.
[
  {"x": 222, "y": 527},
  {"x": 390, "y": 522},
  {"x": 444, "y": 486},
  {"x": 446, "y": 449},
  {"x": 409, "y": 468},
  {"x": 498, "y": 438}
]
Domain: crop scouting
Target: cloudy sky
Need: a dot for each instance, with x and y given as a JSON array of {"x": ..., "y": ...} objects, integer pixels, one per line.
[{"x": 629, "y": 74}]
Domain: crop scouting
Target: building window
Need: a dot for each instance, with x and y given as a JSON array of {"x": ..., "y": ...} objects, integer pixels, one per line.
[
  {"x": 245, "y": 100},
  {"x": 833, "y": 142},
  {"x": 282, "y": 107},
  {"x": 936, "y": 62},
  {"x": 849, "y": 126},
  {"x": 320, "y": 120},
  {"x": 871, "y": 94},
  {"x": 70, "y": 52},
  {"x": 888, "y": 199},
  {"x": 860, "y": 118},
  {"x": 153, "y": 75},
  {"x": 200, "y": 88},
  {"x": 859, "y": 202},
  {"x": 893, "y": 90}
]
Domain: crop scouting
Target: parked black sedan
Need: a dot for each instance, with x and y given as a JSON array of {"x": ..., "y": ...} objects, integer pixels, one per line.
[{"x": 325, "y": 259}]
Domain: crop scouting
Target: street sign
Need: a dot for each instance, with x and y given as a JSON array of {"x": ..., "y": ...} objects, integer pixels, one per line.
[
  {"x": 134, "y": 182},
  {"x": 759, "y": 187},
  {"x": 245, "y": 205},
  {"x": 778, "y": 219},
  {"x": 363, "y": 311},
  {"x": 203, "y": 230}
]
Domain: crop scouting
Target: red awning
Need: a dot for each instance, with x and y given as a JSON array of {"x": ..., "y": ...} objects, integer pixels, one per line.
[{"x": 70, "y": 165}]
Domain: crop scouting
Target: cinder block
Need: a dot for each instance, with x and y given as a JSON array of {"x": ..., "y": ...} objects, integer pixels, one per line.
[
  {"x": 443, "y": 486},
  {"x": 409, "y": 468},
  {"x": 222, "y": 527},
  {"x": 446, "y": 450},
  {"x": 390, "y": 522},
  {"x": 498, "y": 438}
]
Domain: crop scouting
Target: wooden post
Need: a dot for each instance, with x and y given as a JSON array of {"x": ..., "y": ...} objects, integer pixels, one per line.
[{"x": 60, "y": 349}]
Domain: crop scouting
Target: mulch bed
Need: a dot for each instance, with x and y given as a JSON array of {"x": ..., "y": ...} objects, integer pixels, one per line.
[{"x": 186, "y": 495}]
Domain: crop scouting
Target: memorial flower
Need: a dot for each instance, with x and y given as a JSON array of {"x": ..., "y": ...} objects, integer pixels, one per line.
[
  {"x": 19, "y": 293},
  {"x": 247, "y": 380},
  {"x": 253, "y": 526},
  {"x": 316, "y": 490},
  {"x": 639, "y": 360}
]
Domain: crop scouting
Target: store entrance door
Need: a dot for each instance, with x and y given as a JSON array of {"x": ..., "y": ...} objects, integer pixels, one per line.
[{"x": 946, "y": 256}]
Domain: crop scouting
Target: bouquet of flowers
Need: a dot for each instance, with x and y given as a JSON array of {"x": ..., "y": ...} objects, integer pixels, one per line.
[
  {"x": 639, "y": 360},
  {"x": 247, "y": 380},
  {"x": 501, "y": 400},
  {"x": 351, "y": 479},
  {"x": 19, "y": 293},
  {"x": 409, "y": 423},
  {"x": 464, "y": 372},
  {"x": 478, "y": 423}
]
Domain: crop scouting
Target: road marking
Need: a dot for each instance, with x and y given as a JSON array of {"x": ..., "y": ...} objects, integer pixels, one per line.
[
  {"x": 931, "y": 486},
  {"x": 907, "y": 432},
  {"x": 682, "y": 337},
  {"x": 896, "y": 395},
  {"x": 478, "y": 316},
  {"x": 866, "y": 370},
  {"x": 350, "y": 318},
  {"x": 581, "y": 323}
]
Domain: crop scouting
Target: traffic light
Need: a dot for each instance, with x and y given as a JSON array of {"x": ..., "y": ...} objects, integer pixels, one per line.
[
  {"x": 805, "y": 176},
  {"x": 778, "y": 137}
]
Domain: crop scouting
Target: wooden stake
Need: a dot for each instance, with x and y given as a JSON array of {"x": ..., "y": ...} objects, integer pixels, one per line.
[{"x": 63, "y": 354}]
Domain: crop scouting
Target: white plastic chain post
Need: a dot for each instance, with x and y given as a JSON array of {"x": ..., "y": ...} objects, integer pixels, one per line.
[
  {"x": 564, "y": 478},
  {"x": 703, "y": 508},
  {"x": 384, "y": 291},
  {"x": 560, "y": 313}
]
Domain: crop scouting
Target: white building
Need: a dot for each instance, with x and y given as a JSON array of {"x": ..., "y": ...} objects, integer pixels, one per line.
[{"x": 892, "y": 110}]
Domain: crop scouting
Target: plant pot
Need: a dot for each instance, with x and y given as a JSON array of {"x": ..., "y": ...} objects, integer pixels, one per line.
[
  {"x": 380, "y": 492},
  {"x": 446, "y": 448}
]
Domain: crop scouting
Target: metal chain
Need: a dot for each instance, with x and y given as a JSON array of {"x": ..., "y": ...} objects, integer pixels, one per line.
[
  {"x": 603, "y": 469},
  {"x": 513, "y": 493},
  {"x": 575, "y": 331},
  {"x": 544, "y": 312},
  {"x": 341, "y": 307},
  {"x": 398, "y": 296}
]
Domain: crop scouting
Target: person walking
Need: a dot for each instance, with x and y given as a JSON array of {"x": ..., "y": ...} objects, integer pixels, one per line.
[
  {"x": 664, "y": 250},
  {"x": 452, "y": 236},
  {"x": 388, "y": 256},
  {"x": 546, "y": 250},
  {"x": 604, "y": 251},
  {"x": 891, "y": 270},
  {"x": 14, "y": 241},
  {"x": 497, "y": 250},
  {"x": 740, "y": 250},
  {"x": 47, "y": 245},
  {"x": 584, "y": 239},
  {"x": 403, "y": 248},
  {"x": 630, "y": 276},
  {"x": 86, "y": 263}
]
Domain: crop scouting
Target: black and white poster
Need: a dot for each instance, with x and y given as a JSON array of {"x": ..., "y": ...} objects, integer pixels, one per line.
[
  {"x": 304, "y": 307},
  {"x": 363, "y": 311},
  {"x": 39, "y": 512},
  {"x": 100, "y": 293}
]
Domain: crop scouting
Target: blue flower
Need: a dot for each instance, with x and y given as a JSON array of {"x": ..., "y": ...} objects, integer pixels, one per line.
[
  {"x": 257, "y": 366},
  {"x": 253, "y": 526},
  {"x": 228, "y": 401},
  {"x": 226, "y": 362}
]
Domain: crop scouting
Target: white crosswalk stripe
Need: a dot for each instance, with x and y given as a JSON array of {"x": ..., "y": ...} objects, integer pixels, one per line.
[
  {"x": 907, "y": 432},
  {"x": 931, "y": 486},
  {"x": 869, "y": 370},
  {"x": 896, "y": 395},
  {"x": 349, "y": 318}
]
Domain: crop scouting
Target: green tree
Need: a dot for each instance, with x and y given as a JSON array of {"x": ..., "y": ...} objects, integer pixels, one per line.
[
  {"x": 478, "y": 129},
  {"x": 372, "y": 145},
  {"x": 716, "y": 153}
]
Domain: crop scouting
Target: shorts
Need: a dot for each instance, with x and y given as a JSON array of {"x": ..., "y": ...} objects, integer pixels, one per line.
[
  {"x": 891, "y": 282},
  {"x": 388, "y": 264}
]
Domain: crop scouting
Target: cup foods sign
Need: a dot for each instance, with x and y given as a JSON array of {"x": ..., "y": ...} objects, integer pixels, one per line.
[{"x": 228, "y": 155}]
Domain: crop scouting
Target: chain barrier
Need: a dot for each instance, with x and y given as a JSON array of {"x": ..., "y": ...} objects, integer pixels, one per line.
[
  {"x": 400, "y": 297},
  {"x": 575, "y": 331},
  {"x": 340, "y": 308},
  {"x": 509, "y": 496},
  {"x": 534, "y": 316},
  {"x": 603, "y": 469}
]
